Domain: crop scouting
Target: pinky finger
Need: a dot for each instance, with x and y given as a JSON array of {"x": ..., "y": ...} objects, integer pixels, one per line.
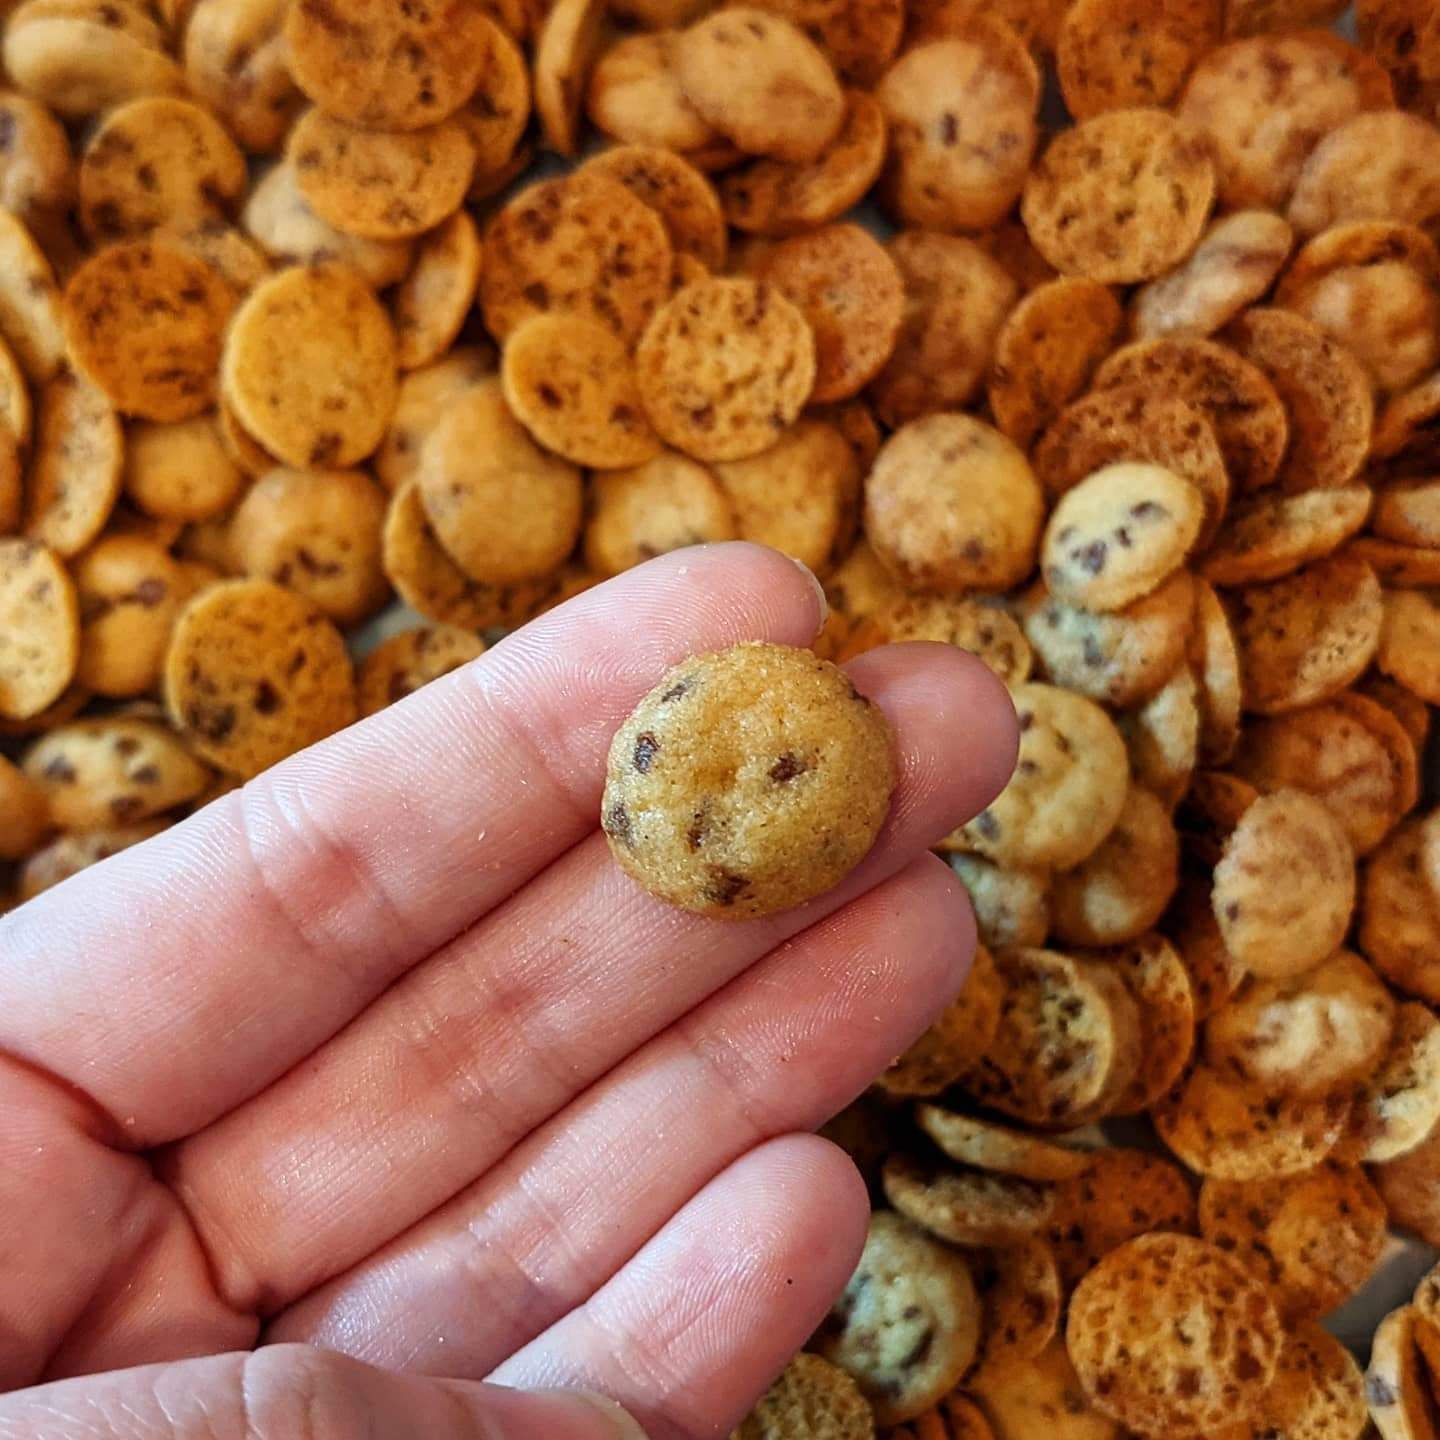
[{"x": 690, "y": 1332}]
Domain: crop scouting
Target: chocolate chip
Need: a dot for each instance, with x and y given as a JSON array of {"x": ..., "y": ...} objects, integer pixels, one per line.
[
  {"x": 646, "y": 747},
  {"x": 987, "y": 825},
  {"x": 267, "y": 698},
  {"x": 1091, "y": 557},
  {"x": 724, "y": 887},
  {"x": 786, "y": 768},
  {"x": 617, "y": 824},
  {"x": 675, "y": 692},
  {"x": 146, "y": 775},
  {"x": 1380, "y": 1392},
  {"x": 60, "y": 770}
]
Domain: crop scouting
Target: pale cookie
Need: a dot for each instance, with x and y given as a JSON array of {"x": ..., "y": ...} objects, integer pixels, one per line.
[
  {"x": 235, "y": 61},
  {"x": 155, "y": 162},
  {"x": 72, "y": 700},
  {"x": 1398, "y": 1107},
  {"x": 1407, "y": 511},
  {"x": 1263, "y": 103},
  {"x": 1046, "y": 352},
  {"x": 665, "y": 504},
  {"x": 423, "y": 398},
  {"x": 983, "y": 1145},
  {"x": 951, "y": 504},
  {"x": 1119, "y": 534},
  {"x": 407, "y": 662},
  {"x": 1308, "y": 636},
  {"x": 1121, "y": 657},
  {"x": 279, "y": 219},
  {"x": 1215, "y": 974},
  {"x": 180, "y": 471},
  {"x": 1215, "y": 658},
  {"x": 956, "y": 301},
  {"x": 635, "y": 95},
  {"x": 309, "y": 367},
  {"x": 1135, "y": 422},
  {"x": 254, "y": 674},
  {"x": 1285, "y": 885},
  {"x": 581, "y": 245},
  {"x": 1122, "y": 889},
  {"x": 1012, "y": 905},
  {"x": 1035, "y": 1399},
  {"x": 860, "y": 37},
  {"x": 24, "y": 813},
  {"x": 1124, "y": 1193},
  {"x": 952, "y": 165},
  {"x": 908, "y": 1324},
  {"x": 1307, "y": 1035},
  {"x": 861, "y": 585},
  {"x": 432, "y": 584},
  {"x": 1318, "y": 1393},
  {"x": 812, "y": 1400},
  {"x": 1022, "y": 1297},
  {"x": 759, "y": 82},
  {"x": 1068, "y": 1045},
  {"x": 564, "y": 54},
  {"x": 725, "y": 367},
  {"x": 571, "y": 383},
  {"x": 498, "y": 114},
  {"x": 1409, "y": 649},
  {"x": 39, "y": 629},
  {"x": 984, "y": 630},
  {"x": 1234, "y": 395},
  {"x": 747, "y": 782},
  {"x": 772, "y": 197},
  {"x": 1120, "y": 198},
  {"x": 381, "y": 186},
  {"x": 957, "y": 1039},
  {"x": 95, "y": 773},
  {"x": 1119, "y": 54},
  {"x": 1224, "y": 1128},
  {"x": 504, "y": 509},
  {"x": 1410, "y": 1187},
  {"x": 387, "y": 66},
  {"x": 1349, "y": 752},
  {"x": 317, "y": 532},
  {"x": 1162, "y": 736},
  {"x": 37, "y": 173},
  {"x": 682, "y": 197},
  {"x": 1169, "y": 1334},
  {"x": 850, "y": 292},
  {"x": 1156, "y": 977},
  {"x": 130, "y": 591},
  {"x": 1399, "y": 930},
  {"x": 801, "y": 496},
  {"x": 145, "y": 322},
  {"x": 1068, "y": 788},
  {"x": 429, "y": 306},
  {"x": 966, "y": 1207},
  {"x": 75, "y": 469},
  {"x": 30, "y": 311},
  {"x": 79, "y": 57},
  {"x": 1234, "y": 264},
  {"x": 1267, "y": 536},
  {"x": 1380, "y": 166},
  {"x": 71, "y": 854}
]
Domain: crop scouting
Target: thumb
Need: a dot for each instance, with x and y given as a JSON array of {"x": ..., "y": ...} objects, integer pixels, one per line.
[{"x": 294, "y": 1392}]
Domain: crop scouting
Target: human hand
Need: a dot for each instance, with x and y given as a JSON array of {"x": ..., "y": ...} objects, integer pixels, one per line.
[{"x": 383, "y": 1055}]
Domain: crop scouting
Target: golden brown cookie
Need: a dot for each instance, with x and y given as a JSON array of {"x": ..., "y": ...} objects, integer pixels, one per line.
[
  {"x": 423, "y": 397},
  {"x": 966, "y": 1207},
  {"x": 564, "y": 54},
  {"x": 255, "y": 673},
  {"x": 984, "y": 630},
  {"x": 1409, "y": 1188},
  {"x": 309, "y": 366},
  {"x": 1407, "y": 511},
  {"x": 812, "y": 1398},
  {"x": 1039, "y": 1397},
  {"x": 24, "y": 813},
  {"x": 1022, "y": 1297},
  {"x": 235, "y": 61},
  {"x": 37, "y": 173},
  {"x": 407, "y": 662},
  {"x": 1214, "y": 973},
  {"x": 31, "y": 319},
  {"x": 1384, "y": 165},
  {"x": 1215, "y": 658},
  {"x": 429, "y": 306},
  {"x": 682, "y": 197},
  {"x": 40, "y": 633},
  {"x": 635, "y": 95},
  {"x": 984, "y": 1145},
  {"x": 75, "y": 469},
  {"x": 1407, "y": 707},
  {"x": 1269, "y": 535},
  {"x": 1158, "y": 982},
  {"x": 1409, "y": 648},
  {"x": 498, "y": 113},
  {"x": 1318, "y": 1391},
  {"x": 179, "y": 471},
  {"x": 860, "y": 37},
  {"x": 747, "y": 782}
]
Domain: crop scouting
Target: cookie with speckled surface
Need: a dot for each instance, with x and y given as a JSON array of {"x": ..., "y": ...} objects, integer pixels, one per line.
[
  {"x": 812, "y": 1400},
  {"x": 747, "y": 781},
  {"x": 75, "y": 469},
  {"x": 682, "y": 197},
  {"x": 985, "y": 631},
  {"x": 1398, "y": 1105},
  {"x": 429, "y": 306},
  {"x": 1012, "y": 905},
  {"x": 1270, "y": 535},
  {"x": 634, "y": 95},
  {"x": 966, "y": 1207},
  {"x": 235, "y": 61},
  {"x": 1318, "y": 1393},
  {"x": 984, "y": 1145},
  {"x": 407, "y": 662},
  {"x": 421, "y": 402},
  {"x": 665, "y": 504},
  {"x": 1384, "y": 165},
  {"x": 39, "y": 629},
  {"x": 1399, "y": 931}
]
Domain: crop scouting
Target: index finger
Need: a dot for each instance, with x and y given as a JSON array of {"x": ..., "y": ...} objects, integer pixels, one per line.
[{"x": 216, "y": 956}]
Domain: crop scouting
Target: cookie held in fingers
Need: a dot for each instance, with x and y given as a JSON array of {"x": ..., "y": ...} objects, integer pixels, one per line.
[{"x": 747, "y": 781}]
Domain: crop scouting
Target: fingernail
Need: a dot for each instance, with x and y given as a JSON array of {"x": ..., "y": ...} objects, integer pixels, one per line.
[
  {"x": 622, "y": 1423},
  {"x": 810, "y": 575}
]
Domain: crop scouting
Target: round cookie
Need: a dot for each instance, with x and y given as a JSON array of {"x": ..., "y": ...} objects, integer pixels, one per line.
[
  {"x": 1408, "y": 1187},
  {"x": 1215, "y": 974},
  {"x": 407, "y": 662},
  {"x": 1038, "y": 1397},
  {"x": 966, "y": 1207},
  {"x": 39, "y": 629},
  {"x": 429, "y": 306},
  {"x": 635, "y": 95},
  {"x": 759, "y": 82},
  {"x": 1012, "y": 906},
  {"x": 582, "y": 245},
  {"x": 37, "y": 173},
  {"x": 309, "y": 367},
  {"x": 1068, "y": 788},
  {"x": 235, "y": 61},
  {"x": 421, "y": 402},
  {"x": 24, "y": 813},
  {"x": 1407, "y": 511},
  {"x": 812, "y": 1398},
  {"x": 1407, "y": 707},
  {"x": 1267, "y": 536},
  {"x": 986, "y": 631},
  {"x": 1397, "y": 1107},
  {"x": 747, "y": 782},
  {"x": 1122, "y": 889},
  {"x": 75, "y": 467},
  {"x": 1308, "y": 636},
  {"x": 956, "y": 301},
  {"x": 1158, "y": 982},
  {"x": 381, "y": 185},
  {"x": 682, "y": 197},
  {"x": 907, "y": 1325},
  {"x": 145, "y": 322},
  {"x": 1169, "y": 1333},
  {"x": 1399, "y": 930},
  {"x": 1398, "y": 567},
  {"x": 859, "y": 37},
  {"x": 1162, "y": 736},
  {"x": 254, "y": 673},
  {"x": 16, "y": 410},
  {"x": 1120, "y": 198},
  {"x": 1318, "y": 1392},
  {"x": 725, "y": 367},
  {"x": 951, "y": 504},
  {"x": 667, "y": 503},
  {"x": 180, "y": 471},
  {"x": 571, "y": 383},
  {"x": 498, "y": 113},
  {"x": 1409, "y": 648},
  {"x": 565, "y": 50},
  {"x": 384, "y": 65},
  {"x": 31, "y": 317},
  {"x": 1215, "y": 659},
  {"x": 983, "y": 1145},
  {"x": 1021, "y": 1292}
]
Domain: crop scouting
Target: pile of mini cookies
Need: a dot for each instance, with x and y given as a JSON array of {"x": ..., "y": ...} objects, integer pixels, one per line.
[{"x": 1143, "y": 409}]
